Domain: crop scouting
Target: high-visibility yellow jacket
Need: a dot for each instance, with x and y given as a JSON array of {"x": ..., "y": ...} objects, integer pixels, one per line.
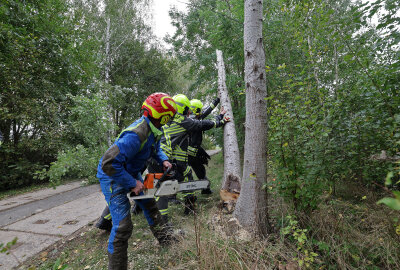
[{"x": 176, "y": 135}]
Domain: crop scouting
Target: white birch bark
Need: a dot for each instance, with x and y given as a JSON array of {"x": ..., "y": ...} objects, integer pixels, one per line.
[
  {"x": 313, "y": 61},
  {"x": 336, "y": 70},
  {"x": 107, "y": 76},
  {"x": 108, "y": 60},
  {"x": 231, "y": 181},
  {"x": 251, "y": 208}
]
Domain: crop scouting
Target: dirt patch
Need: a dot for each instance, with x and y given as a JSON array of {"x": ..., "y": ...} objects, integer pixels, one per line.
[
  {"x": 41, "y": 221},
  {"x": 71, "y": 222}
]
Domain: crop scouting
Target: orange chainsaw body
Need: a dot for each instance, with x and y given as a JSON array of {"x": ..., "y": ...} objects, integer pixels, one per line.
[{"x": 149, "y": 180}]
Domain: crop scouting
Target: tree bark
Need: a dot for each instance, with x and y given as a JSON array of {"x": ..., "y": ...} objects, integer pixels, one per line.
[
  {"x": 232, "y": 168},
  {"x": 107, "y": 75},
  {"x": 315, "y": 69},
  {"x": 336, "y": 70},
  {"x": 107, "y": 56},
  {"x": 251, "y": 208}
]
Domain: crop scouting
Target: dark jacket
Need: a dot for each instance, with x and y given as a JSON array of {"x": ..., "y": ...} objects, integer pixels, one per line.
[{"x": 176, "y": 136}]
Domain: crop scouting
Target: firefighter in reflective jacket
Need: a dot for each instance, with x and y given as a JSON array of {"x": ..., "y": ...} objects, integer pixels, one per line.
[
  {"x": 175, "y": 143},
  {"x": 119, "y": 174},
  {"x": 197, "y": 156}
]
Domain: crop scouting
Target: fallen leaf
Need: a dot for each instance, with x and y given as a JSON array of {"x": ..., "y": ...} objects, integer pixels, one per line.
[{"x": 43, "y": 254}]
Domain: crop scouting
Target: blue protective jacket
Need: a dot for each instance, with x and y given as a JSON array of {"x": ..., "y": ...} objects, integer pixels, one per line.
[{"x": 124, "y": 160}]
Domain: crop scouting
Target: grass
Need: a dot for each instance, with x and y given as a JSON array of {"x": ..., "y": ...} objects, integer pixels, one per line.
[{"x": 343, "y": 234}]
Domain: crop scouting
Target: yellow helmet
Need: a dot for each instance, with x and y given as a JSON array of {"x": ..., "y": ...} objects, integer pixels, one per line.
[
  {"x": 196, "y": 106},
  {"x": 182, "y": 103}
]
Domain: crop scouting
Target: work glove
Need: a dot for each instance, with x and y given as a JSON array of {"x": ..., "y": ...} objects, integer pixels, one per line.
[{"x": 225, "y": 120}]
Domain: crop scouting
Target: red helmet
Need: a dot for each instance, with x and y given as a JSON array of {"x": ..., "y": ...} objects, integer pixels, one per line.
[{"x": 159, "y": 106}]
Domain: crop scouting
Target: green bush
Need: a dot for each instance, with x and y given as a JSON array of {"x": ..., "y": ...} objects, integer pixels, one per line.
[
  {"x": 78, "y": 162},
  {"x": 90, "y": 127}
]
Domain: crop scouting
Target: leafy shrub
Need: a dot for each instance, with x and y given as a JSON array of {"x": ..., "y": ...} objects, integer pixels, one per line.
[
  {"x": 91, "y": 127},
  {"x": 78, "y": 162}
]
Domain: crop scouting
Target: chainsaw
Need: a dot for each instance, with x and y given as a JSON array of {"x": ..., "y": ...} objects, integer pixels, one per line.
[{"x": 164, "y": 184}]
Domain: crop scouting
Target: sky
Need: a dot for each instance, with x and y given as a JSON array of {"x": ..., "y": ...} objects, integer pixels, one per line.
[{"x": 161, "y": 20}]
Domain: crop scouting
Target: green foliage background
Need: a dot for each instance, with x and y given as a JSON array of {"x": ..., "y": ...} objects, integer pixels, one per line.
[
  {"x": 333, "y": 85},
  {"x": 69, "y": 85},
  {"x": 64, "y": 97}
]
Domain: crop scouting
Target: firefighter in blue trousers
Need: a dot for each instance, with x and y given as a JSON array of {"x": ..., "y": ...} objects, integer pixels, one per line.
[{"x": 119, "y": 173}]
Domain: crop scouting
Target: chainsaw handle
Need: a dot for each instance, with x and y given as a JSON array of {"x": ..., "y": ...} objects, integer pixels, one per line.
[
  {"x": 166, "y": 172},
  {"x": 162, "y": 179},
  {"x": 133, "y": 194}
]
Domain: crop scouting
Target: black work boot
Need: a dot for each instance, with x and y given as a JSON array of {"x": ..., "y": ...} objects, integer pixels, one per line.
[
  {"x": 207, "y": 191},
  {"x": 116, "y": 262},
  {"x": 190, "y": 205},
  {"x": 105, "y": 222}
]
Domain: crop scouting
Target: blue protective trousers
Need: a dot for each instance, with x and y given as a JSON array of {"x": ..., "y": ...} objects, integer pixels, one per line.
[{"x": 118, "y": 202}]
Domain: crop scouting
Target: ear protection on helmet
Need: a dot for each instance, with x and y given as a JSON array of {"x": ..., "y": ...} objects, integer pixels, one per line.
[
  {"x": 186, "y": 111},
  {"x": 164, "y": 119}
]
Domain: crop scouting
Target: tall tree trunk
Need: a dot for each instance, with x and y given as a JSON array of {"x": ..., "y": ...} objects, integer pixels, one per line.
[
  {"x": 231, "y": 148},
  {"x": 5, "y": 129},
  {"x": 336, "y": 70},
  {"x": 315, "y": 69},
  {"x": 251, "y": 208},
  {"x": 107, "y": 75},
  {"x": 108, "y": 58}
]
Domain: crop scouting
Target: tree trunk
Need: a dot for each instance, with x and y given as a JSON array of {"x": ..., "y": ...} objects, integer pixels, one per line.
[
  {"x": 315, "y": 69},
  {"x": 107, "y": 76},
  {"x": 336, "y": 71},
  {"x": 107, "y": 56},
  {"x": 232, "y": 169},
  {"x": 251, "y": 208}
]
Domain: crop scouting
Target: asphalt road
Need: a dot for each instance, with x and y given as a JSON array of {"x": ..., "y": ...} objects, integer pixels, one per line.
[{"x": 42, "y": 218}]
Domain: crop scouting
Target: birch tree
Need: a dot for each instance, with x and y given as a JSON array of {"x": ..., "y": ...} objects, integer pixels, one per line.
[
  {"x": 251, "y": 208},
  {"x": 231, "y": 181}
]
